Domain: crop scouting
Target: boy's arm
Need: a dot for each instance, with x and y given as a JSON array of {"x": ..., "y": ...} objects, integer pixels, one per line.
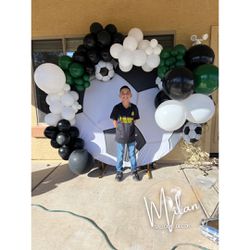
[{"x": 115, "y": 123}]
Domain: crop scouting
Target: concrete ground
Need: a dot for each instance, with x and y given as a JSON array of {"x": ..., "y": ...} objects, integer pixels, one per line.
[{"x": 118, "y": 208}]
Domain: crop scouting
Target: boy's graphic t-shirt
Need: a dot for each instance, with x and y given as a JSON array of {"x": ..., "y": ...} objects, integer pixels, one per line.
[{"x": 125, "y": 131}]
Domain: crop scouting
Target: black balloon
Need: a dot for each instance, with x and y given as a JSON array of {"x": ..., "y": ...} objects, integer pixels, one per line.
[
  {"x": 89, "y": 69},
  {"x": 111, "y": 28},
  {"x": 89, "y": 41},
  {"x": 79, "y": 57},
  {"x": 198, "y": 55},
  {"x": 93, "y": 56},
  {"x": 178, "y": 83},
  {"x": 95, "y": 27},
  {"x": 160, "y": 98},
  {"x": 62, "y": 138},
  {"x": 82, "y": 48},
  {"x": 64, "y": 152},
  {"x": 63, "y": 125},
  {"x": 54, "y": 144},
  {"x": 80, "y": 161},
  {"x": 103, "y": 39},
  {"x": 118, "y": 38},
  {"x": 51, "y": 132},
  {"x": 73, "y": 132},
  {"x": 105, "y": 55},
  {"x": 76, "y": 143}
]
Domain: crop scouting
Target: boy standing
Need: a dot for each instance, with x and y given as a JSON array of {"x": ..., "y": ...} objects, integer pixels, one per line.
[{"x": 124, "y": 115}]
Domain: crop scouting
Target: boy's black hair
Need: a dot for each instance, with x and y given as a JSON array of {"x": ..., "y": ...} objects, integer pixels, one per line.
[{"x": 124, "y": 87}]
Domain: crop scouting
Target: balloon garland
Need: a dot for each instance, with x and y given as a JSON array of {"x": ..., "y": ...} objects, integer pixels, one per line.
[{"x": 185, "y": 79}]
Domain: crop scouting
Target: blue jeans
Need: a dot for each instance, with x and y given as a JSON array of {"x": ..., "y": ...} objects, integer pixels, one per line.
[{"x": 131, "y": 153}]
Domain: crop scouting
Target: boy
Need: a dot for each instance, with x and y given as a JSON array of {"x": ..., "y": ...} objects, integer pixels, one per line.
[{"x": 124, "y": 115}]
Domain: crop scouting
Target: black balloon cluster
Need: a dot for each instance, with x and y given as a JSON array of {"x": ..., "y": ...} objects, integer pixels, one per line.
[
  {"x": 96, "y": 46},
  {"x": 65, "y": 138}
]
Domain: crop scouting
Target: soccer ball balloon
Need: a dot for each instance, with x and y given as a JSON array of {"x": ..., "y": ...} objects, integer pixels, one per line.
[
  {"x": 104, "y": 71},
  {"x": 192, "y": 132}
]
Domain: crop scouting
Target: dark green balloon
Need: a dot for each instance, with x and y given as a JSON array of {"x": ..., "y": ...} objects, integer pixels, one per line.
[
  {"x": 64, "y": 62},
  {"x": 179, "y": 57},
  {"x": 180, "y": 63},
  {"x": 161, "y": 71},
  {"x": 161, "y": 63},
  {"x": 80, "y": 88},
  {"x": 174, "y": 52},
  {"x": 170, "y": 61},
  {"x": 86, "y": 84},
  {"x": 165, "y": 53},
  {"x": 86, "y": 77},
  {"x": 180, "y": 48},
  {"x": 79, "y": 81},
  {"x": 206, "y": 78},
  {"x": 76, "y": 70},
  {"x": 69, "y": 78}
]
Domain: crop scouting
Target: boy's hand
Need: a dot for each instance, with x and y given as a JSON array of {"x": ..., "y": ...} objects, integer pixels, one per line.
[{"x": 115, "y": 123}]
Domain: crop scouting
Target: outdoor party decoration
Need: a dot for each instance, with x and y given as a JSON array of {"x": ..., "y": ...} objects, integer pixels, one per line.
[
  {"x": 198, "y": 55},
  {"x": 64, "y": 137},
  {"x": 178, "y": 83},
  {"x": 160, "y": 98},
  {"x": 137, "y": 52},
  {"x": 97, "y": 129},
  {"x": 80, "y": 161},
  {"x": 200, "y": 108},
  {"x": 170, "y": 115},
  {"x": 206, "y": 79},
  {"x": 104, "y": 71},
  {"x": 192, "y": 132},
  {"x": 170, "y": 59}
]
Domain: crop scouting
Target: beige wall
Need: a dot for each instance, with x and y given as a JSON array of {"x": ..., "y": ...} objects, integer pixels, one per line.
[{"x": 52, "y": 18}]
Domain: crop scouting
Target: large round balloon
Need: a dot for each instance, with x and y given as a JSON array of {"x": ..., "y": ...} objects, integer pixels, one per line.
[
  {"x": 50, "y": 78},
  {"x": 200, "y": 108},
  {"x": 198, "y": 55},
  {"x": 80, "y": 161},
  {"x": 206, "y": 79},
  {"x": 96, "y": 127},
  {"x": 170, "y": 115},
  {"x": 178, "y": 83}
]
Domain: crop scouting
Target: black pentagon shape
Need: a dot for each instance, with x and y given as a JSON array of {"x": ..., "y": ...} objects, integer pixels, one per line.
[
  {"x": 186, "y": 130},
  {"x": 198, "y": 130},
  {"x": 193, "y": 140},
  {"x": 104, "y": 71}
]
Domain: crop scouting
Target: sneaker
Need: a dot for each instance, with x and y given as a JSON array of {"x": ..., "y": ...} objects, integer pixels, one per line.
[
  {"x": 119, "y": 176},
  {"x": 136, "y": 176}
]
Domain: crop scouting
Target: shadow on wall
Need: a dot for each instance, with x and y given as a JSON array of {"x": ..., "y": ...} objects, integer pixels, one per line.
[{"x": 48, "y": 179}]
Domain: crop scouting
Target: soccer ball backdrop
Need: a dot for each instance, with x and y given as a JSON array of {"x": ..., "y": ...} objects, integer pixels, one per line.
[
  {"x": 97, "y": 130},
  {"x": 192, "y": 132}
]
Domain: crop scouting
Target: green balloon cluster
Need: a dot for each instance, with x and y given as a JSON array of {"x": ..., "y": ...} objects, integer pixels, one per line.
[
  {"x": 171, "y": 58},
  {"x": 74, "y": 72},
  {"x": 206, "y": 79}
]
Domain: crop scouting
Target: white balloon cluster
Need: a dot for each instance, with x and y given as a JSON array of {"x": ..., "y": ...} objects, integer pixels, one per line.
[
  {"x": 197, "y": 108},
  {"x": 63, "y": 103},
  {"x": 136, "y": 51},
  {"x": 107, "y": 67}
]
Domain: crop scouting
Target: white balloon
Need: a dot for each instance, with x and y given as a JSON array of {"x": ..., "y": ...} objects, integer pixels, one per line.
[
  {"x": 126, "y": 58},
  {"x": 153, "y": 61},
  {"x": 126, "y": 69},
  {"x": 52, "y": 98},
  {"x": 136, "y": 33},
  {"x": 111, "y": 73},
  {"x": 55, "y": 107},
  {"x": 101, "y": 64},
  {"x": 115, "y": 50},
  {"x": 75, "y": 95},
  {"x": 67, "y": 99},
  {"x": 153, "y": 43},
  {"x": 68, "y": 113},
  {"x": 149, "y": 50},
  {"x": 146, "y": 68},
  {"x": 47, "y": 100},
  {"x": 109, "y": 66},
  {"x": 106, "y": 78},
  {"x": 143, "y": 44},
  {"x": 200, "y": 108},
  {"x": 66, "y": 87},
  {"x": 140, "y": 57},
  {"x": 130, "y": 43},
  {"x": 157, "y": 50},
  {"x": 75, "y": 106},
  {"x": 50, "y": 78},
  {"x": 159, "y": 45},
  {"x": 73, "y": 122},
  {"x": 158, "y": 82},
  {"x": 52, "y": 119},
  {"x": 170, "y": 115},
  {"x": 98, "y": 76}
]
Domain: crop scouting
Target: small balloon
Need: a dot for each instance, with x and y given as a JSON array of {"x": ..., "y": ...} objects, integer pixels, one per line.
[
  {"x": 52, "y": 119},
  {"x": 64, "y": 152},
  {"x": 160, "y": 98},
  {"x": 62, "y": 138},
  {"x": 73, "y": 132},
  {"x": 111, "y": 28},
  {"x": 103, "y": 38},
  {"x": 118, "y": 38},
  {"x": 89, "y": 41},
  {"x": 63, "y": 125},
  {"x": 79, "y": 57},
  {"x": 95, "y": 27},
  {"x": 76, "y": 70},
  {"x": 51, "y": 132},
  {"x": 54, "y": 144},
  {"x": 64, "y": 62}
]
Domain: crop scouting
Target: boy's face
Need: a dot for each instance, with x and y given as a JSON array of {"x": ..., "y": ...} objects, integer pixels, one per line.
[{"x": 125, "y": 95}]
